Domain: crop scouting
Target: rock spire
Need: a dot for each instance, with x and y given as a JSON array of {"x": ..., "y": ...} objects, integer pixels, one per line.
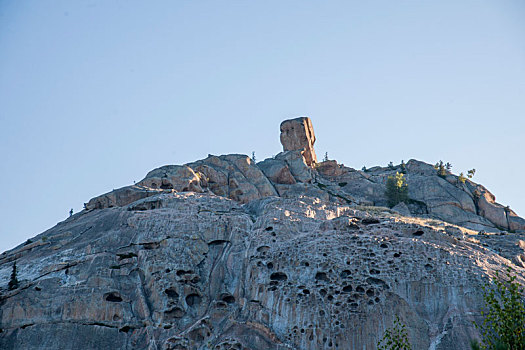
[{"x": 298, "y": 134}]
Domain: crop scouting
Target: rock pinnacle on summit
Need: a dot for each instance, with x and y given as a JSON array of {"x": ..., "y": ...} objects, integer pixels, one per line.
[{"x": 298, "y": 134}]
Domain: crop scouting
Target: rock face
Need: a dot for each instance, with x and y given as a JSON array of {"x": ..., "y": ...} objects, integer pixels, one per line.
[
  {"x": 298, "y": 134},
  {"x": 198, "y": 271},
  {"x": 223, "y": 253}
]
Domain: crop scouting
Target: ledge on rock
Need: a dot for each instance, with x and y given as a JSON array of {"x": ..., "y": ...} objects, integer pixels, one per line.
[{"x": 122, "y": 196}]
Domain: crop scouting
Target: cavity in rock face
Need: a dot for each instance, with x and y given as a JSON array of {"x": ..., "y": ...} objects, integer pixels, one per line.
[{"x": 298, "y": 134}]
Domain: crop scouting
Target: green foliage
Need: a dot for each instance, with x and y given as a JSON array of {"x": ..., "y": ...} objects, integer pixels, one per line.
[
  {"x": 442, "y": 168},
  {"x": 325, "y": 159},
  {"x": 253, "y": 157},
  {"x": 396, "y": 189},
  {"x": 395, "y": 338},
  {"x": 13, "y": 282},
  {"x": 390, "y": 165},
  {"x": 504, "y": 323},
  {"x": 403, "y": 167},
  {"x": 462, "y": 178},
  {"x": 471, "y": 173},
  {"x": 363, "y": 168}
]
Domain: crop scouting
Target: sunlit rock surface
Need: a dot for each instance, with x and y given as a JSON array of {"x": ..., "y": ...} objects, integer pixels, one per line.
[{"x": 224, "y": 253}]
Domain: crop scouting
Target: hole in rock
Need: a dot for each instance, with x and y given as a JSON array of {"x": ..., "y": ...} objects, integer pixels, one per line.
[
  {"x": 221, "y": 305},
  {"x": 384, "y": 245},
  {"x": 217, "y": 242},
  {"x": 322, "y": 292},
  {"x": 345, "y": 273},
  {"x": 167, "y": 186},
  {"x": 321, "y": 276},
  {"x": 263, "y": 249},
  {"x": 38, "y": 289},
  {"x": 306, "y": 291},
  {"x": 269, "y": 265},
  {"x": 397, "y": 255},
  {"x": 172, "y": 293},
  {"x": 278, "y": 276},
  {"x": 370, "y": 292},
  {"x": 123, "y": 256},
  {"x": 269, "y": 228},
  {"x": 347, "y": 289},
  {"x": 370, "y": 221},
  {"x": 183, "y": 272},
  {"x": 175, "y": 312},
  {"x": 193, "y": 299},
  {"x": 228, "y": 298},
  {"x": 428, "y": 267},
  {"x": 377, "y": 281},
  {"x": 125, "y": 329},
  {"x": 360, "y": 289},
  {"x": 374, "y": 271},
  {"x": 113, "y": 297},
  {"x": 418, "y": 233}
]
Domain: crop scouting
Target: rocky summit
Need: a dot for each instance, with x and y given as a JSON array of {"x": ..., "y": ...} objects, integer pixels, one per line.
[{"x": 288, "y": 253}]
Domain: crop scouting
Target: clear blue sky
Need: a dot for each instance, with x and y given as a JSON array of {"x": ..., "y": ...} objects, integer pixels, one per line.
[{"x": 94, "y": 94}]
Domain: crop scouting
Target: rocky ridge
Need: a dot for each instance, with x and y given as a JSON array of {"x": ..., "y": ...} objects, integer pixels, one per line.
[{"x": 287, "y": 253}]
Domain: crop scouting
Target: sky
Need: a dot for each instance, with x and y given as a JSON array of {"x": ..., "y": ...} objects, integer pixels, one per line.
[{"x": 94, "y": 94}]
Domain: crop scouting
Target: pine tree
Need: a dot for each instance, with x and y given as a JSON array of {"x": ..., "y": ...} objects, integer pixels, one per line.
[
  {"x": 395, "y": 338},
  {"x": 13, "y": 282},
  {"x": 504, "y": 323},
  {"x": 396, "y": 189}
]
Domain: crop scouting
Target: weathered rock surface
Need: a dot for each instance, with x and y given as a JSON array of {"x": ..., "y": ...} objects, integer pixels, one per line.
[
  {"x": 223, "y": 253},
  {"x": 198, "y": 271},
  {"x": 298, "y": 135}
]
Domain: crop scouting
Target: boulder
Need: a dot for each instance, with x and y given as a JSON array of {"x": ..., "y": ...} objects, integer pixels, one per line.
[
  {"x": 180, "y": 178},
  {"x": 121, "y": 197},
  {"x": 298, "y": 134},
  {"x": 297, "y": 164},
  {"x": 277, "y": 171},
  {"x": 402, "y": 209},
  {"x": 329, "y": 168},
  {"x": 234, "y": 176}
]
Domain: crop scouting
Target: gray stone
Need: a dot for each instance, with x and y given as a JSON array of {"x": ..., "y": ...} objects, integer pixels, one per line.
[
  {"x": 277, "y": 171},
  {"x": 199, "y": 271}
]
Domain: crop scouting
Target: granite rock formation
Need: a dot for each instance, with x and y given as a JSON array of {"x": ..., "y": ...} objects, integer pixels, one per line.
[
  {"x": 223, "y": 253},
  {"x": 298, "y": 135}
]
